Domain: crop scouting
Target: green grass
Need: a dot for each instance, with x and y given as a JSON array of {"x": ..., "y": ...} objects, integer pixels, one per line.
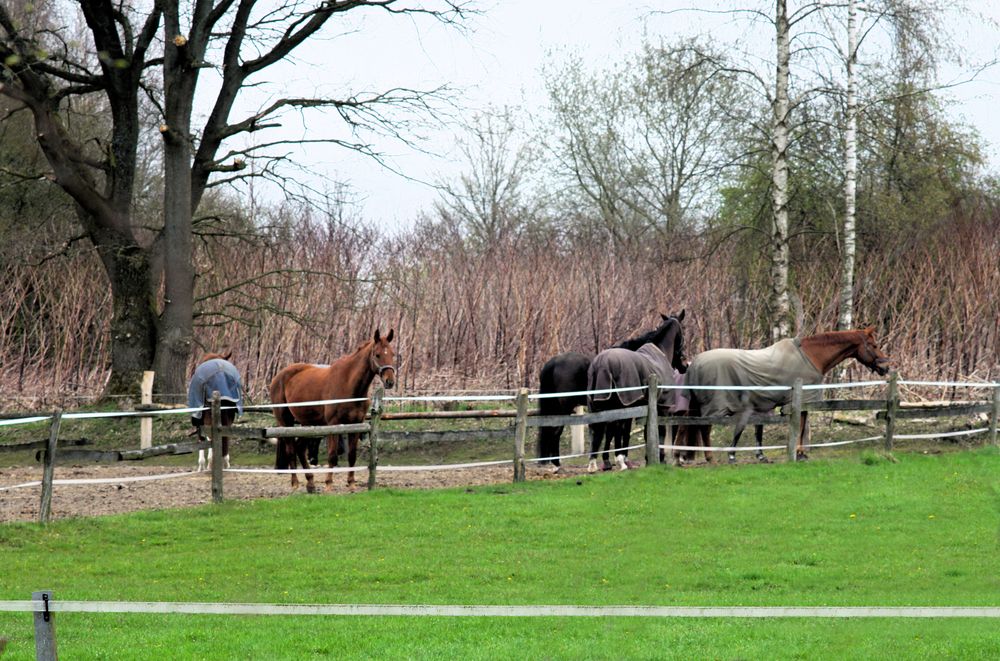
[{"x": 849, "y": 532}]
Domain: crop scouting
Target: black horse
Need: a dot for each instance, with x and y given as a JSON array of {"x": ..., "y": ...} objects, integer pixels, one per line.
[
  {"x": 619, "y": 369},
  {"x": 567, "y": 373}
]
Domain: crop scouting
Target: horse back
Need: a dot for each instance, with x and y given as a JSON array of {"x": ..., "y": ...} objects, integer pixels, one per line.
[{"x": 566, "y": 372}]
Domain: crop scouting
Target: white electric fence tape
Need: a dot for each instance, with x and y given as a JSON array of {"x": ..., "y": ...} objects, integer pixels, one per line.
[
  {"x": 106, "y": 480},
  {"x": 462, "y": 610}
]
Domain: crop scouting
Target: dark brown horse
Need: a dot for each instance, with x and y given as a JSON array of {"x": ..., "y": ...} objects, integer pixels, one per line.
[
  {"x": 215, "y": 373},
  {"x": 809, "y": 359},
  {"x": 348, "y": 377}
]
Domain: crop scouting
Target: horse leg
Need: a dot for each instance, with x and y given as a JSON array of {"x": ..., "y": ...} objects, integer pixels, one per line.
[
  {"x": 704, "y": 434},
  {"x": 352, "y": 456},
  {"x": 758, "y": 433},
  {"x": 331, "y": 460},
  {"x": 302, "y": 451},
  {"x": 313, "y": 453},
  {"x": 741, "y": 424},
  {"x": 285, "y": 459},
  {"x": 623, "y": 431},
  {"x": 800, "y": 449},
  {"x": 228, "y": 417},
  {"x": 597, "y": 430}
]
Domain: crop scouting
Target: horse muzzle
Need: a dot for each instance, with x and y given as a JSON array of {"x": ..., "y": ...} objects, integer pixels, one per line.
[{"x": 881, "y": 366}]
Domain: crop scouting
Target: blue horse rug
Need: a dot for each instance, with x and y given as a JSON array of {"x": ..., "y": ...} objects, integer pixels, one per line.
[
  {"x": 621, "y": 368},
  {"x": 212, "y": 375},
  {"x": 778, "y": 365}
]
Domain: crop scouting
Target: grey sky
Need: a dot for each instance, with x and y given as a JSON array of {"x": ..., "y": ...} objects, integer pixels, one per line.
[{"x": 498, "y": 60}]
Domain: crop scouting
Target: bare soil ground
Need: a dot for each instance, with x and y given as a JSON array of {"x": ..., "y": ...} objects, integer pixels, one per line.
[{"x": 188, "y": 491}]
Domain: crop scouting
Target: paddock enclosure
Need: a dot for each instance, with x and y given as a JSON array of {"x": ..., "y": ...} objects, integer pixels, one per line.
[{"x": 74, "y": 480}]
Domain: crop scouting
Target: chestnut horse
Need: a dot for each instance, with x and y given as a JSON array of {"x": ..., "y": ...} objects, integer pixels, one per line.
[
  {"x": 348, "y": 377},
  {"x": 811, "y": 358},
  {"x": 215, "y": 373}
]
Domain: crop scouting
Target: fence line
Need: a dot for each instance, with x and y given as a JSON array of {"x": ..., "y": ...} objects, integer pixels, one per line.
[
  {"x": 890, "y": 406},
  {"x": 490, "y": 610}
]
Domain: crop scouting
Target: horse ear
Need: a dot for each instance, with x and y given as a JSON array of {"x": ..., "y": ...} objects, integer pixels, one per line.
[
  {"x": 869, "y": 330},
  {"x": 388, "y": 338},
  {"x": 664, "y": 317},
  {"x": 680, "y": 317},
  {"x": 227, "y": 355},
  {"x": 378, "y": 335}
]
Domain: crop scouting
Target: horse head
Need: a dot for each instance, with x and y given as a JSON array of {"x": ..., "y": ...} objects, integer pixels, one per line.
[
  {"x": 869, "y": 355},
  {"x": 382, "y": 358},
  {"x": 670, "y": 338}
]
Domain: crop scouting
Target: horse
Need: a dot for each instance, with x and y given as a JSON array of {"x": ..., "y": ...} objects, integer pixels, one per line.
[
  {"x": 567, "y": 372},
  {"x": 348, "y": 377},
  {"x": 809, "y": 358},
  {"x": 215, "y": 373},
  {"x": 623, "y": 368}
]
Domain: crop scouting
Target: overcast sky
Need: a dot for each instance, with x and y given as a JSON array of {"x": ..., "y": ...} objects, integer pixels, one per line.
[{"x": 498, "y": 60}]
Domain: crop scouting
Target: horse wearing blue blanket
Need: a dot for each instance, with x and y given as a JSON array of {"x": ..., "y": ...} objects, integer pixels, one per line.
[{"x": 215, "y": 373}]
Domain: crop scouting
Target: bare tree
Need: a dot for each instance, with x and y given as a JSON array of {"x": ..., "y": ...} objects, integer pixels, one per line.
[{"x": 123, "y": 61}]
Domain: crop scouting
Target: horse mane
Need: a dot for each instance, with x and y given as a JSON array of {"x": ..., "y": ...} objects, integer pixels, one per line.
[
  {"x": 832, "y": 337},
  {"x": 649, "y": 336},
  {"x": 212, "y": 356}
]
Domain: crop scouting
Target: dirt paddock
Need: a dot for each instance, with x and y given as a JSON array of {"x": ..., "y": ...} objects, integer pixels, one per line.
[{"x": 119, "y": 497}]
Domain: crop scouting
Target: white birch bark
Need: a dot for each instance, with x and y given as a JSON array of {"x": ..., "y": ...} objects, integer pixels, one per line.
[
  {"x": 845, "y": 318},
  {"x": 779, "y": 303}
]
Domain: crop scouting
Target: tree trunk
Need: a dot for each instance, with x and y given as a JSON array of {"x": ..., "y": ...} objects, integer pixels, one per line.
[
  {"x": 133, "y": 319},
  {"x": 845, "y": 318},
  {"x": 176, "y": 331},
  {"x": 779, "y": 303}
]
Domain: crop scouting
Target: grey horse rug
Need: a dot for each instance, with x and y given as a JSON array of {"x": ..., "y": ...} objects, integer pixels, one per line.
[
  {"x": 212, "y": 375},
  {"x": 621, "y": 368},
  {"x": 778, "y": 365}
]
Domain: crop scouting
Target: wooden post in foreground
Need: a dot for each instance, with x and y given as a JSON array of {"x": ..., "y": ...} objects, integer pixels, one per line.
[
  {"x": 376, "y": 417},
  {"x": 795, "y": 420},
  {"x": 891, "y": 407},
  {"x": 45, "y": 628},
  {"x": 520, "y": 431},
  {"x": 995, "y": 416},
  {"x": 652, "y": 422},
  {"x": 146, "y": 424},
  {"x": 49, "y": 468},
  {"x": 216, "y": 447}
]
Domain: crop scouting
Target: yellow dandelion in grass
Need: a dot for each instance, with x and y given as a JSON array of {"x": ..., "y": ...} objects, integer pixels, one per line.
[
  {"x": 853, "y": 515},
  {"x": 930, "y": 516}
]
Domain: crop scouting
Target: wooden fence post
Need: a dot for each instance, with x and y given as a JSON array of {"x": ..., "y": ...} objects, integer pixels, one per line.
[
  {"x": 995, "y": 416},
  {"x": 49, "y": 467},
  {"x": 578, "y": 433},
  {"x": 376, "y": 417},
  {"x": 520, "y": 430},
  {"x": 795, "y": 420},
  {"x": 891, "y": 407},
  {"x": 216, "y": 447},
  {"x": 45, "y": 628},
  {"x": 652, "y": 422},
  {"x": 146, "y": 424}
]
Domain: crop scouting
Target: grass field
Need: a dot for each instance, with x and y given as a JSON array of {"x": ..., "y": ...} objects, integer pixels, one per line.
[{"x": 853, "y": 531}]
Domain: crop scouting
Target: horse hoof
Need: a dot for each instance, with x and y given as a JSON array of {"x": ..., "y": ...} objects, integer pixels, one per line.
[
  {"x": 762, "y": 459},
  {"x": 801, "y": 456},
  {"x": 310, "y": 488},
  {"x": 606, "y": 467},
  {"x": 732, "y": 458},
  {"x": 592, "y": 466}
]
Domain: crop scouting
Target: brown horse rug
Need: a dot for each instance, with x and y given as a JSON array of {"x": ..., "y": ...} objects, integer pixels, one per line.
[
  {"x": 621, "y": 368},
  {"x": 778, "y": 365}
]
